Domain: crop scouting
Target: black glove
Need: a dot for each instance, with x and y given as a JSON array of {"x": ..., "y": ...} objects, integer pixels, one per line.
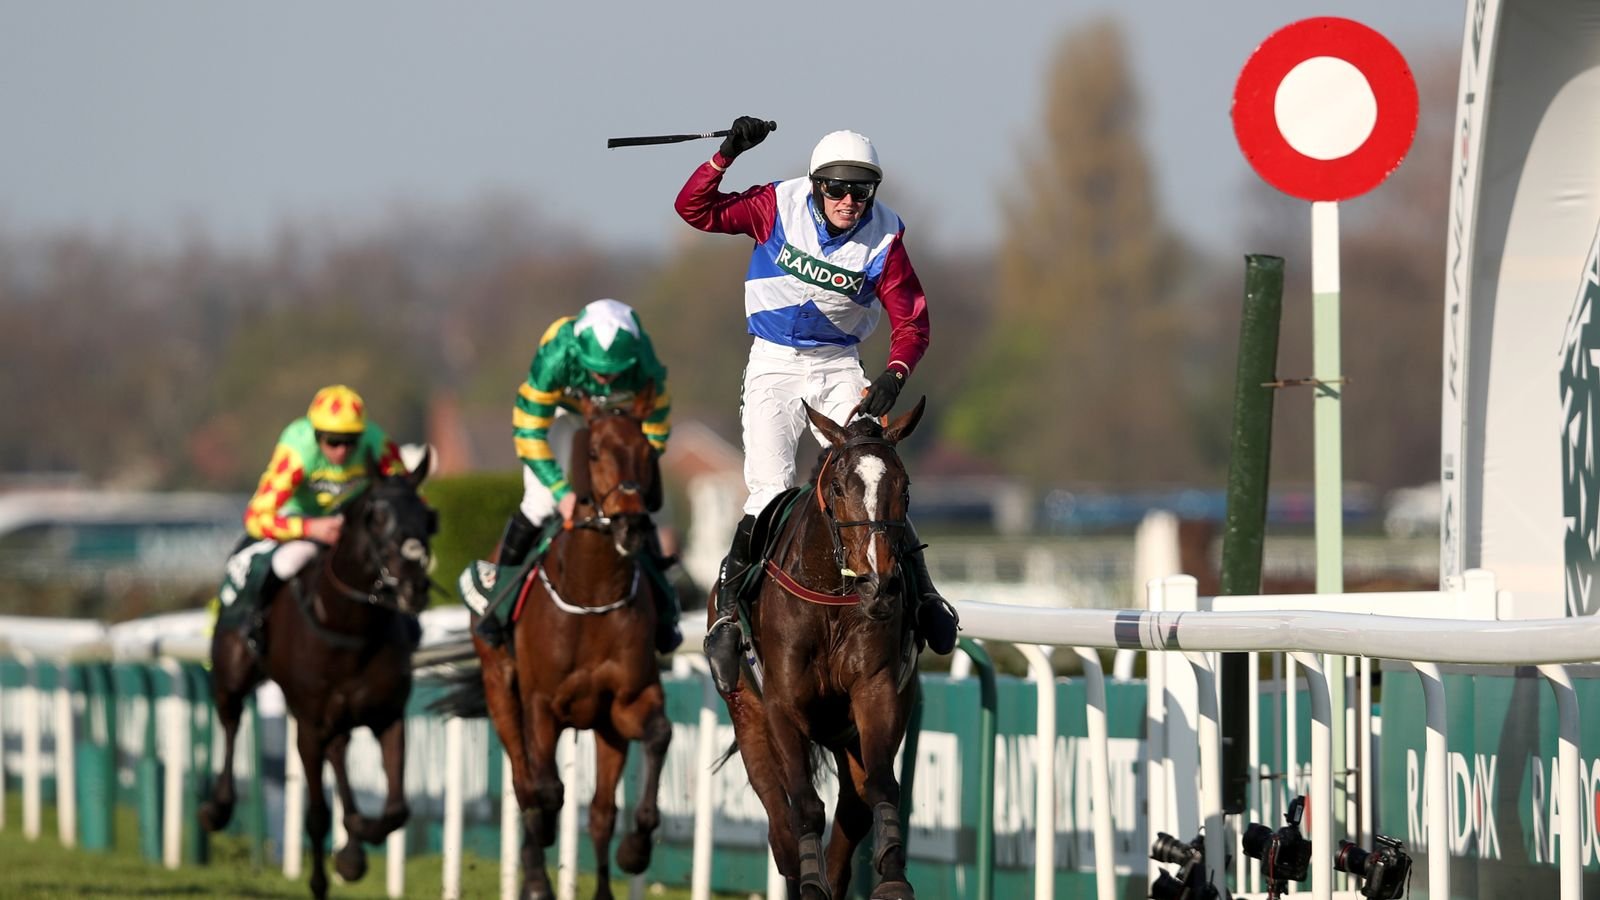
[
  {"x": 881, "y": 396},
  {"x": 746, "y": 132}
]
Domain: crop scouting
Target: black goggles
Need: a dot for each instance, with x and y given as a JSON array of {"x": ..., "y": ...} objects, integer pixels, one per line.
[
  {"x": 834, "y": 189},
  {"x": 338, "y": 440}
]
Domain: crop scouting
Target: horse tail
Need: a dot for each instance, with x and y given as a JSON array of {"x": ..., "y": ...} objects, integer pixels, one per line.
[
  {"x": 733, "y": 747},
  {"x": 464, "y": 697}
]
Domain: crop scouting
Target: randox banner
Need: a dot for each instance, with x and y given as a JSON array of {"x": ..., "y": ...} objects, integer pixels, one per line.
[{"x": 1503, "y": 767}]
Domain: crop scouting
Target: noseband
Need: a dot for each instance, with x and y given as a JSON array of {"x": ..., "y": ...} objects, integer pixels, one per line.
[{"x": 384, "y": 590}]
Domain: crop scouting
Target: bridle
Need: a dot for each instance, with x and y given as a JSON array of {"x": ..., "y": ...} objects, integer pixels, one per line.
[
  {"x": 873, "y": 526},
  {"x": 384, "y": 590}
]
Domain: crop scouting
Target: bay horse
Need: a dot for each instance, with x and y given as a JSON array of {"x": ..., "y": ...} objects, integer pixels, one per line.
[
  {"x": 582, "y": 653},
  {"x": 830, "y": 628},
  {"x": 338, "y": 641}
]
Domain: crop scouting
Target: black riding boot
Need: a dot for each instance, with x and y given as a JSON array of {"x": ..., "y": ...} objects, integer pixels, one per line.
[
  {"x": 723, "y": 637},
  {"x": 937, "y": 622},
  {"x": 255, "y": 627},
  {"x": 514, "y": 546}
]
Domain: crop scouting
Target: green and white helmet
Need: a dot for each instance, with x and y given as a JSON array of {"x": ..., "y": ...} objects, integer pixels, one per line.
[{"x": 608, "y": 336}]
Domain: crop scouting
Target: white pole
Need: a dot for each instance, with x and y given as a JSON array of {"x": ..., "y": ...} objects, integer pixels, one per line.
[
  {"x": 1321, "y": 775},
  {"x": 1364, "y": 754},
  {"x": 1243, "y": 872},
  {"x": 1155, "y": 711},
  {"x": 1571, "y": 796},
  {"x": 567, "y": 765},
  {"x": 1437, "y": 790},
  {"x": 777, "y": 885},
  {"x": 394, "y": 863},
  {"x": 704, "y": 799},
  {"x": 340, "y": 836},
  {"x": 1210, "y": 738},
  {"x": 510, "y": 832},
  {"x": 175, "y": 729},
  {"x": 66, "y": 769},
  {"x": 1105, "y": 862},
  {"x": 1044, "y": 815},
  {"x": 454, "y": 761},
  {"x": 32, "y": 755},
  {"x": 294, "y": 799}
]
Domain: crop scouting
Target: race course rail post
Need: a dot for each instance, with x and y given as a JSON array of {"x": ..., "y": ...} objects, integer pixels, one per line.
[
  {"x": 988, "y": 727},
  {"x": 1244, "y": 531}
]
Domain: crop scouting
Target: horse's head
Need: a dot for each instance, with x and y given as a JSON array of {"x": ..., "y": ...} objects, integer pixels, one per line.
[
  {"x": 388, "y": 530},
  {"x": 623, "y": 483},
  {"x": 864, "y": 491}
]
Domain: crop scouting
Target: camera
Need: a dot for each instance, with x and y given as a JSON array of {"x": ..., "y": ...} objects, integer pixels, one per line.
[
  {"x": 1285, "y": 854},
  {"x": 1190, "y": 858},
  {"x": 1385, "y": 870}
]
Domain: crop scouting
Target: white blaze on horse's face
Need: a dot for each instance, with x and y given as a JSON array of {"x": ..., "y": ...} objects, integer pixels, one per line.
[{"x": 871, "y": 470}]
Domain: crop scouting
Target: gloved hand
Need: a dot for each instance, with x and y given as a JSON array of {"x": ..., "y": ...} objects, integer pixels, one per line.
[
  {"x": 746, "y": 132},
  {"x": 883, "y": 392}
]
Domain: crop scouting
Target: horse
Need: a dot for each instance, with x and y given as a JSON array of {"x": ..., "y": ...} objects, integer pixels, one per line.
[
  {"x": 831, "y": 631},
  {"x": 581, "y": 653},
  {"x": 338, "y": 641}
]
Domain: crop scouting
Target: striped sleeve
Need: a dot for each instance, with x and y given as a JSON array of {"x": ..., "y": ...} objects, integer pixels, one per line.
[
  {"x": 530, "y": 425},
  {"x": 264, "y": 517},
  {"x": 657, "y": 426}
]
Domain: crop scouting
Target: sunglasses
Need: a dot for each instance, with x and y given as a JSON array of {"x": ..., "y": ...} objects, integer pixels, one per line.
[
  {"x": 340, "y": 440},
  {"x": 834, "y": 189}
]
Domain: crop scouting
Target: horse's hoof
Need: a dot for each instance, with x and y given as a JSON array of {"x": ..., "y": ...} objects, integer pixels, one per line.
[
  {"x": 215, "y": 816},
  {"x": 351, "y": 862},
  {"x": 893, "y": 890},
  {"x": 633, "y": 854},
  {"x": 814, "y": 892},
  {"x": 536, "y": 892}
]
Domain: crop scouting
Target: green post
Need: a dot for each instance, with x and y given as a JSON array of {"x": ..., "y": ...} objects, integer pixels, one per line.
[
  {"x": 197, "y": 781},
  {"x": 254, "y": 807},
  {"x": 95, "y": 753},
  {"x": 147, "y": 771},
  {"x": 988, "y": 726},
  {"x": 1244, "y": 533}
]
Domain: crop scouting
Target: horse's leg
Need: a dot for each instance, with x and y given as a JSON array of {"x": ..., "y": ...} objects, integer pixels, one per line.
[
  {"x": 392, "y": 741},
  {"x": 644, "y": 720},
  {"x": 852, "y": 819},
  {"x": 233, "y": 676},
  {"x": 610, "y": 754},
  {"x": 541, "y": 810},
  {"x": 880, "y": 738},
  {"x": 311, "y": 745},
  {"x": 755, "y": 749},
  {"x": 807, "y": 815},
  {"x": 351, "y": 859}
]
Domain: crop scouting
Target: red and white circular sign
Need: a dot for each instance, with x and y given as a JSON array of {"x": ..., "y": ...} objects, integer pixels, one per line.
[{"x": 1325, "y": 109}]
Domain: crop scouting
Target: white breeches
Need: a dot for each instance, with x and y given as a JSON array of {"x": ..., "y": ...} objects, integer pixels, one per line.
[
  {"x": 538, "y": 503},
  {"x": 292, "y": 556},
  {"x": 776, "y": 380}
]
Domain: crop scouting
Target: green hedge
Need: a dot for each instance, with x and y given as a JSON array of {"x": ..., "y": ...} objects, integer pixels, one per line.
[{"x": 473, "y": 510}]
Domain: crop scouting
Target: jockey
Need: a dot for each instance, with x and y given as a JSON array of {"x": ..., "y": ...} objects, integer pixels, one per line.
[
  {"x": 603, "y": 352},
  {"x": 319, "y": 464},
  {"x": 828, "y": 260}
]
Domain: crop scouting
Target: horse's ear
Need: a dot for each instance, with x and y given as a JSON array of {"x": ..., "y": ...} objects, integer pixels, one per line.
[
  {"x": 644, "y": 402},
  {"x": 901, "y": 428},
  {"x": 830, "y": 429},
  {"x": 425, "y": 461}
]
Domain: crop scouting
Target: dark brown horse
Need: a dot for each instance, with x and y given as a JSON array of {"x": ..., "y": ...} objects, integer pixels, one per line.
[
  {"x": 338, "y": 641},
  {"x": 831, "y": 631},
  {"x": 582, "y": 654}
]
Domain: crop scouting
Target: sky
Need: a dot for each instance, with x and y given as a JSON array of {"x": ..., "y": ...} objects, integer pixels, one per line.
[{"x": 163, "y": 118}]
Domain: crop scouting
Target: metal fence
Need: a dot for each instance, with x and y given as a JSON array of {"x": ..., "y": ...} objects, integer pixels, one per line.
[{"x": 1017, "y": 788}]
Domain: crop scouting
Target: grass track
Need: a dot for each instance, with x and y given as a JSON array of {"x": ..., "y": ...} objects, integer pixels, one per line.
[{"x": 44, "y": 869}]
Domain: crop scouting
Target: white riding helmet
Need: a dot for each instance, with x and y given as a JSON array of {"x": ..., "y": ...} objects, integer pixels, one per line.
[{"x": 847, "y": 156}]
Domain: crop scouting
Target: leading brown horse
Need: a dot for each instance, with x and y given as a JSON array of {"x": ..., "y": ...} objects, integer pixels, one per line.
[
  {"x": 338, "y": 641},
  {"x": 582, "y": 653},
  {"x": 832, "y": 634}
]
